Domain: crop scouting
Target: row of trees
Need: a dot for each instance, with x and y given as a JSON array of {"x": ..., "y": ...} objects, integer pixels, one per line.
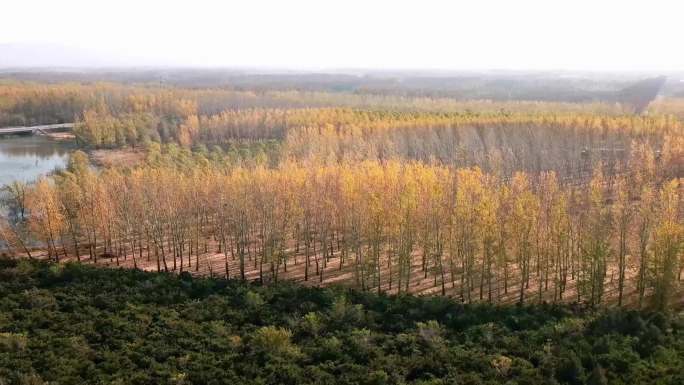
[
  {"x": 571, "y": 144},
  {"x": 102, "y": 127},
  {"x": 504, "y": 143},
  {"x": 390, "y": 225}
]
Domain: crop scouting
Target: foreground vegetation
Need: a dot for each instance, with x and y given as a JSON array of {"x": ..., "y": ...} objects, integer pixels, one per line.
[{"x": 74, "y": 324}]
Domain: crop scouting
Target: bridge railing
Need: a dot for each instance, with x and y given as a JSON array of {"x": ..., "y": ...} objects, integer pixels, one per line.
[{"x": 33, "y": 129}]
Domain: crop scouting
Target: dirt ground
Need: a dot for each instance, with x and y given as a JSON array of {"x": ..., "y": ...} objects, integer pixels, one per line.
[
  {"x": 334, "y": 273},
  {"x": 61, "y": 135},
  {"x": 126, "y": 157}
]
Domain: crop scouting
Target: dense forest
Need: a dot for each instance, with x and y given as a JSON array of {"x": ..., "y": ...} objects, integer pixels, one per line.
[
  {"x": 484, "y": 201},
  {"x": 36, "y": 103},
  {"x": 567, "y": 138},
  {"x": 469, "y": 233},
  {"x": 74, "y": 324},
  {"x": 450, "y": 240}
]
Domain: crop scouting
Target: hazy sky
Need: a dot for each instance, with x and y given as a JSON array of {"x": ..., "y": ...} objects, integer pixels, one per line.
[{"x": 482, "y": 34}]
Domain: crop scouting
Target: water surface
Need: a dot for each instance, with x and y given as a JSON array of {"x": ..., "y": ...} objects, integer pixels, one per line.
[{"x": 28, "y": 157}]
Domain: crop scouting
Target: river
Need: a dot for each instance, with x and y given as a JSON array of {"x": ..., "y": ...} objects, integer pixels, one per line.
[{"x": 28, "y": 157}]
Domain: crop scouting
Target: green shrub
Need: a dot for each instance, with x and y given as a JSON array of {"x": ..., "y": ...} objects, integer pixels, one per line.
[
  {"x": 253, "y": 300},
  {"x": 274, "y": 341},
  {"x": 12, "y": 342},
  {"x": 84, "y": 325},
  {"x": 569, "y": 369}
]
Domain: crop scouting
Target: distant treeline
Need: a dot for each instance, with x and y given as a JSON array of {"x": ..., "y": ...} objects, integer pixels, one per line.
[
  {"x": 499, "y": 86},
  {"x": 42, "y": 103}
]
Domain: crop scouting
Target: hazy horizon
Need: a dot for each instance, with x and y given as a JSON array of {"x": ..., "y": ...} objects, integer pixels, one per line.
[{"x": 316, "y": 35}]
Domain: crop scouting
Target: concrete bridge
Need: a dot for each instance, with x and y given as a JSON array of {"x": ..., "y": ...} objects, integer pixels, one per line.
[{"x": 36, "y": 129}]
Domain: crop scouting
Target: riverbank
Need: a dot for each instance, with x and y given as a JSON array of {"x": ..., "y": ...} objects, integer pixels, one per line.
[{"x": 60, "y": 136}]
